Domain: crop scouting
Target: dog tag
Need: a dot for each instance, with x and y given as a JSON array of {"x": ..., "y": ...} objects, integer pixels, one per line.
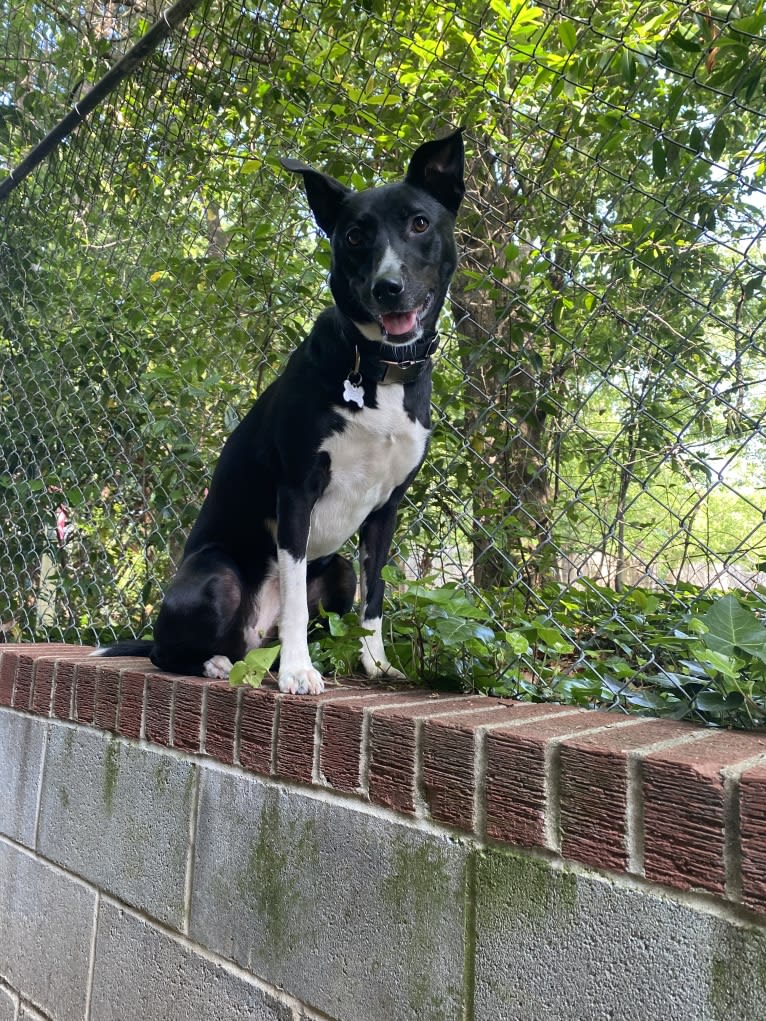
[{"x": 353, "y": 391}]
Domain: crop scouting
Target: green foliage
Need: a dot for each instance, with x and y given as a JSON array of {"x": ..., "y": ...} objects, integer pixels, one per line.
[
  {"x": 334, "y": 645},
  {"x": 253, "y": 668},
  {"x": 640, "y": 652}
]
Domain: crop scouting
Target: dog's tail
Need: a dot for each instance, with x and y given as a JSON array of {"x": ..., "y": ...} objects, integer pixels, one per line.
[{"x": 130, "y": 647}]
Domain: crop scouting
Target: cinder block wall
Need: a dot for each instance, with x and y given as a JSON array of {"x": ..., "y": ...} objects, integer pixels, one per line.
[{"x": 171, "y": 848}]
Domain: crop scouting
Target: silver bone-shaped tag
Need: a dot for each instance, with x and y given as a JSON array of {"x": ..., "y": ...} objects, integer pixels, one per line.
[{"x": 353, "y": 391}]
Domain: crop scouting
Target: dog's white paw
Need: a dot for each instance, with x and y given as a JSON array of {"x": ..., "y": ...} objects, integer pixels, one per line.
[
  {"x": 373, "y": 654},
  {"x": 301, "y": 681},
  {"x": 376, "y": 665},
  {"x": 381, "y": 670},
  {"x": 217, "y": 666}
]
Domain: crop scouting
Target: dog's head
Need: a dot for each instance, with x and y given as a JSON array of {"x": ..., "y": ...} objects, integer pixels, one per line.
[{"x": 393, "y": 248}]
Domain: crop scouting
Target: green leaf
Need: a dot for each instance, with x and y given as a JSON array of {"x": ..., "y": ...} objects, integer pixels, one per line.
[
  {"x": 718, "y": 139},
  {"x": 568, "y": 35},
  {"x": 689, "y": 44},
  {"x": 553, "y": 639},
  {"x": 659, "y": 162},
  {"x": 263, "y": 658},
  {"x": 454, "y": 631},
  {"x": 518, "y": 643},
  {"x": 254, "y": 667},
  {"x": 335, "y": 625},
  {"x": 237, "y": 674},
  {"x": 750, "y": 25},
  {"x": 720, "y": 663},
  {"x": 627, "y": 65},
  {"x": 731, "y": 626},
  {"x": 710, "y": 701},
  {"x": 697, "y": 627}
]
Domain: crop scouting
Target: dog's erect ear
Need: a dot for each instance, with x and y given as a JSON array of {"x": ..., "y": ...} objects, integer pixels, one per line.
[
  {"x": 437, "y": 167},
  {"x": 324, "y": 193}
]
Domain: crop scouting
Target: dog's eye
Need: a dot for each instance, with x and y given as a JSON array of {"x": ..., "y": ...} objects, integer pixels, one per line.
[
  {"x": 420, "y": 224},
  {"x": 354, "y": 237}
]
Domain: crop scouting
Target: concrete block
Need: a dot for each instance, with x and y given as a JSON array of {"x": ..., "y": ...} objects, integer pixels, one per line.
[
  {"x": 46, "y": 929},
  {"x": 553, "y": 945},
  {"x": 21, "y": 756},
  {"x": 27, "y": 1013},
  {"x": 353, "y": 914},
  {"x": 8, "y": 1004},
  {"x": 141, "y": 972},
  {"x": 118, "y": 815}
]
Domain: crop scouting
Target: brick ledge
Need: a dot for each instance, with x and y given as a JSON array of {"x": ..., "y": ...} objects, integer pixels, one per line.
[{"x": 678, "y": 804}]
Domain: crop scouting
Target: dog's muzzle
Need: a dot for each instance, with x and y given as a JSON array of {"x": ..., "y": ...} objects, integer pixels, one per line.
[{"x": 399, "y": 326}]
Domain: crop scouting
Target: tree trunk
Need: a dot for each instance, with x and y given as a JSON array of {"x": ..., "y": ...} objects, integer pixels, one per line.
[{"x": 503, "y": 420}]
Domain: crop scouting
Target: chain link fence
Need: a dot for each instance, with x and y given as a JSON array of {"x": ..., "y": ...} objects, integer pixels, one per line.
[{"x": 601, "y": 385}]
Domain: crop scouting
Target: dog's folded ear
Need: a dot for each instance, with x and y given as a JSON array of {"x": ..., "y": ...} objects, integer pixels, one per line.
[
  {"x": 437, "y": 167},
  {"x": 324, "y": 193}
]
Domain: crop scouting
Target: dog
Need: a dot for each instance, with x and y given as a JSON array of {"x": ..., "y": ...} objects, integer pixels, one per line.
[{"x": 330, "y": 447}]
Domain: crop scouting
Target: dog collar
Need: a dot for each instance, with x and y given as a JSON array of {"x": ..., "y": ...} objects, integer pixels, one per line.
[{"x": 387, "y": 370}]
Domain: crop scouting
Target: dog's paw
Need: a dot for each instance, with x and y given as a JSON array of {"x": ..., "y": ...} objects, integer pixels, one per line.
[
  {"x": 381, "y": 669},
  {"x": 301, "y": 681},
  {"x": 217, "y": 666},
  {"x": 387, "y": 673}
]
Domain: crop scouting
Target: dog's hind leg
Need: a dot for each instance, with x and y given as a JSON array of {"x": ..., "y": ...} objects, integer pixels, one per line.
[
  {"x": 199, "y": 626},
  {"x": 331, "y": 584}
]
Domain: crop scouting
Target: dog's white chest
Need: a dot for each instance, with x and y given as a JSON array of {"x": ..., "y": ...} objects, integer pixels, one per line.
[{"x": 371, "y": 457}]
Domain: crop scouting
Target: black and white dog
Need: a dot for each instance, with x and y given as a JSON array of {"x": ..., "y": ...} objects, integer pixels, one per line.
[{"x": 329, "y": 449}]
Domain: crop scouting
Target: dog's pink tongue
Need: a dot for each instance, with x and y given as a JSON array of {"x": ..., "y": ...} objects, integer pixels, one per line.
[{"x": 397, "y": 323}]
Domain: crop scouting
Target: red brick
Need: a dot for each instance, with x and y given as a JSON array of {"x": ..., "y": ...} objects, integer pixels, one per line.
[
  {"x": 752, "y": 822},
  {"x": 132, "y": 684},
  {"x": 8, "y": 663},
  {"x": 220, "y": 732},
  {"x": 19, "y": 667},
  {"x": 342, "y": 735},
  {"x": 45, "y": 668},
  {"x": 35, "y": 648},
  {"x": 516, "y": 767},
  {"x": 44, "y": 673},
  {"x": 159, "y": 707},
  {"x": 85, "y": 691},
  {"x": 449, "y": 759},
  {"x": 256, "y": 727},
  {"x": 22, "y": 690},
  {"x": 393, "y": 746},
  {"x": 593, "y": 789},
  {"x": 63, "y": 689},
  {"x": 108, "y": 673},
  {"x": 187, "y": 714},
  {"x": 683, "y": 796},
  {"x": 296, "y": 727}
]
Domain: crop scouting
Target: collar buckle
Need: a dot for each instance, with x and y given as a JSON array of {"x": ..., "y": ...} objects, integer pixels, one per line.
[{"x": 401, "y": 372}]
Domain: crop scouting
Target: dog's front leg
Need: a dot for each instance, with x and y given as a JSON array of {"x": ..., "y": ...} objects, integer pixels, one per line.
[
  {"x": 374, "y": 544},
  {"x": 296, "y": 672}
]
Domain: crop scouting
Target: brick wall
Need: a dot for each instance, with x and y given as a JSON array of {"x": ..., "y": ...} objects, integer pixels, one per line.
[{"x": 368, "y": 853}]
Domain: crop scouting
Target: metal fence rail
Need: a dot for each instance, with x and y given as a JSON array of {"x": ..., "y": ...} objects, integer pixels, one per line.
[{"x": 601, "y": 386}]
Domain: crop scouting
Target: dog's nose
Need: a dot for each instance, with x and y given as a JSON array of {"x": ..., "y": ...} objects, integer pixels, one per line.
[{"x": 387, "y": 287}]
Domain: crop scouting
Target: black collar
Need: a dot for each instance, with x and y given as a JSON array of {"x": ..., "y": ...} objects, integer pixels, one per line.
[{"x": 386, "y": 363}]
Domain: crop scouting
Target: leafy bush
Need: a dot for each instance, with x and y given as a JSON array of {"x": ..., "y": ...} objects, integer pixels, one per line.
[{"x": 676, "y": 653}]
